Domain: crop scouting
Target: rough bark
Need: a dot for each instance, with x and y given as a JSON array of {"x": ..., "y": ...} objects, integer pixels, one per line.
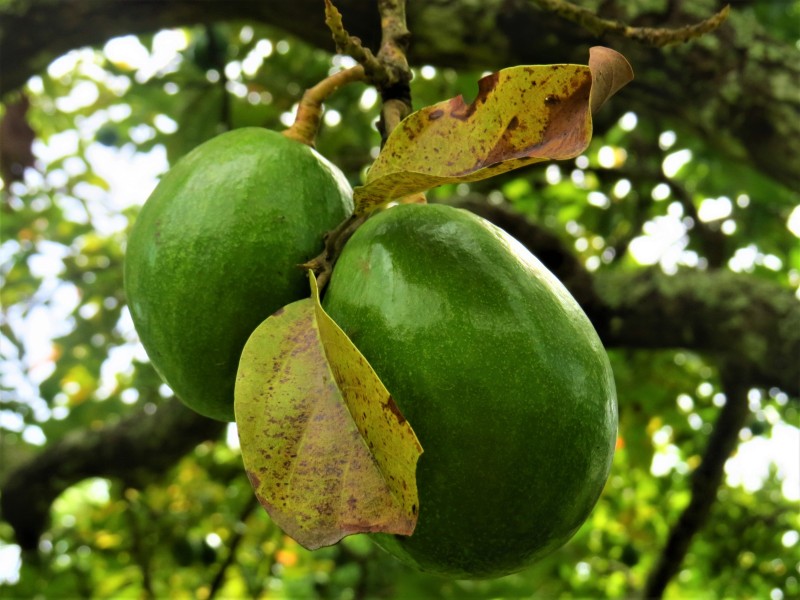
[
  {"x": 747, "y": 323},
  {"x": 738, "y": 89}
]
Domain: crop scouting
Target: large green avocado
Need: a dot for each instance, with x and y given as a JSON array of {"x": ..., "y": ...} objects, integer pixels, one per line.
[
  {"x": 499, "y": 372},
  {"x": 215, "y": 251}
]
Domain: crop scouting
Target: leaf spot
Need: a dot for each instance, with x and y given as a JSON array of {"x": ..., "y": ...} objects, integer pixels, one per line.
[{"x": 395, "y": 410}]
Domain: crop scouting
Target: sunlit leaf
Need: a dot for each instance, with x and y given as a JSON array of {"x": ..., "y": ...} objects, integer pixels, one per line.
[
  {"x": 326, "y": 448},
  {"x": 521, "y": 115}
]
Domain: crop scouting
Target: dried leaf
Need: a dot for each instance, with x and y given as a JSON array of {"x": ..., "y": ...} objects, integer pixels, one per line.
[
  {"x": 610, "y": 73},
  {"x": 521, "y": 115},
  {"x": 325, "y": 447}
]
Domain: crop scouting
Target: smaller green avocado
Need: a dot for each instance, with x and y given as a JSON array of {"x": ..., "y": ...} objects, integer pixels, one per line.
[
  {"x": 215, "y": 251},
  {"x": 499, "y": 372}
]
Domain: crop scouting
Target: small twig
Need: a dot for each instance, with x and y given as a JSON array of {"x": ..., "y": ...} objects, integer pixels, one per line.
[
  {"x": 140, "y": 553},
  {"x": 705, "y": 481},
  {"x": 347, "y": 44},
  {"x": 652, "y": 36},
  {"x": 388, "y": 71},
  {"x": 219, "y": 577},
  {"x": 309, "y": 111},
  {"x": 712, "y": 241}
]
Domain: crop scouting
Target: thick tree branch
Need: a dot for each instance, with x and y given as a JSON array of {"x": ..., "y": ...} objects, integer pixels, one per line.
[
  {"x": 141, "y": 446},
  {"x": 705, "y": 481},
  {"x": 736, "y": 88},
  {"x": 731, "y": 316}
]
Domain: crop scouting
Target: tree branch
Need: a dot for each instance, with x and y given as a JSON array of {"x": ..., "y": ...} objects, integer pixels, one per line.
[
  {"x": 391, "y": 76},
  {"x": 375, "y": 71},
  {"x": 139, "y": 447},
  {"x": 388, "y": 71},
  {"x": 141, "y": 554},
  {"x": 233, "y": 546},
  {"x": 712, "y": 240},
  {"x": 705, "y": 481},
  {"x": 653, "y": 36},
  {"x": 395, "y": 37}
]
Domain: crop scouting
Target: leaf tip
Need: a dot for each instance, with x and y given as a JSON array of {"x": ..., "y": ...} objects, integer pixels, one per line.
[{"x": 611, "y": 71}]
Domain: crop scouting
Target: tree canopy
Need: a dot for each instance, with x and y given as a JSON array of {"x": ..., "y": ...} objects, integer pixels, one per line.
[{"x": 676, "y": 230}]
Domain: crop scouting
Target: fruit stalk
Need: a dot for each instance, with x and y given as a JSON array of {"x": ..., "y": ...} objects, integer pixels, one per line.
[
  {"x": 309, "y": 111},
  {"x": 322, "y": 264}
]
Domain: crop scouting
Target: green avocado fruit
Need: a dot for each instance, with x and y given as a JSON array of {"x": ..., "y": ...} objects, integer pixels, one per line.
[
  {"x": 499, "y": 372},
  {"x": 215, "y": 251}
]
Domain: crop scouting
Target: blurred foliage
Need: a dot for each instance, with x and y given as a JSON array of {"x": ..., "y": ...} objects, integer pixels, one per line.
[{"x": 71, "y": 360}]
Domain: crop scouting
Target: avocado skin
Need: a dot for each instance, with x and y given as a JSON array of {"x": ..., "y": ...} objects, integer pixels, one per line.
[
  {"x": 214, "y": 251},
  {"x": 499, "y": 372}
]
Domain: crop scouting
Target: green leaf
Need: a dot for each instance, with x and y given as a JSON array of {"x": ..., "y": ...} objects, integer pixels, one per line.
[
  {"x": 325, "y": 447},
  {"x": 521, "y": 115}
]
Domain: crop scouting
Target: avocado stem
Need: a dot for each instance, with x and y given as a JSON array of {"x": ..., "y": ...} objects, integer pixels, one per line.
[
  {"x": 309, "y": 111},
  {"x": 322, "y": 264}
]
